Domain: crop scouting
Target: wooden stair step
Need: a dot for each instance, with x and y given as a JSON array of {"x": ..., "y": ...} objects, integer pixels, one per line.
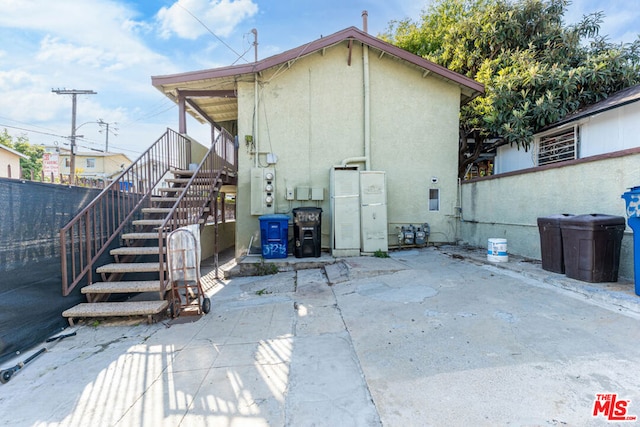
[
  {"x": 141, "y": 236},
  {"x": 132, "y": 286},
  {"x": 172, "y": 189},
  {"x": 182, "y": 172},
  {"x": 197, "y": 181},
  {"x": 164, "y": 210},
  {"x": 158, "y": 223},
  {"x": 158, "y": 199},
  {"x": 182, "y": 222},
  {"x": 129, "y": 267},
  {"x": 137, "y": 250},
  {"x": 148, "y": 221},
  {"x": 116, "y": 309},
  {"x": 156, "y": 210}
]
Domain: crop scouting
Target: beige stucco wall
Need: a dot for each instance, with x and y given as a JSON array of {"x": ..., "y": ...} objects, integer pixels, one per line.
[
  {"x": 311, "y": 115},
  {"x": 104, "y": 165},
  {"x": 508, "y": 207},
  {"x": 226, "y": 238},
  {"x": 9, "y": 159}
]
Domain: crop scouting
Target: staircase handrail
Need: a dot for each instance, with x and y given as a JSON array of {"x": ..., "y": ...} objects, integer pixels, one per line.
[
  {"x": 85, "y": 238},
  {"x": 191, "y": 204}
]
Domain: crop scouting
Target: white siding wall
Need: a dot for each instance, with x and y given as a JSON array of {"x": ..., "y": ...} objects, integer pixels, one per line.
[
  {"x": 610, "y": 131},
  {"x": 509, "y": 159}
]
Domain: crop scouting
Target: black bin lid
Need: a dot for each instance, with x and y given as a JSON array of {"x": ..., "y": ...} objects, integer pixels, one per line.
[
  {"x": 552, "y": 219},
  {"x": 592, "y": 221}
]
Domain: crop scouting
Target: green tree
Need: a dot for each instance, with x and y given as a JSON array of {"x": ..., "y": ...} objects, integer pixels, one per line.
[
  {"x": 21, "y": 144},
  {"x": 536, "y": 69}
]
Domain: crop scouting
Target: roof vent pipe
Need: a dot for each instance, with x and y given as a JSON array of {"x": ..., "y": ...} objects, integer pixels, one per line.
[{"x": 365, "y": 17}]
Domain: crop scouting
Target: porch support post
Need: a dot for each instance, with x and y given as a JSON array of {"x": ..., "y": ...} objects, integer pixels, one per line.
[{"x": 182, "y": 113}]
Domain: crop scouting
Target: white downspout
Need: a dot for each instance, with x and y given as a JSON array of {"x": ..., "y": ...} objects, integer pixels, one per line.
[
  {"x": 255, "y": 101},
  {"x": 366, "y": 159},
  {"x": 367, "y": 98}
]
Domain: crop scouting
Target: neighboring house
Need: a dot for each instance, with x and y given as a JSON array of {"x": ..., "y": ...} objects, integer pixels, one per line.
[
  {"x": 90, "y": 165},
  {"x": 10, "y": 162},
  {"x": 579, "y": 165},
  {"x": 311, "y": 119},
  {"x": 604, "y": 127}
]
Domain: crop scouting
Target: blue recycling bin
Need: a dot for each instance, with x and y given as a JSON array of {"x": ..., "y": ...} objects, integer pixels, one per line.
[
  {"x": 632, "y": 199},
  {"x": 274, "y": 235}
]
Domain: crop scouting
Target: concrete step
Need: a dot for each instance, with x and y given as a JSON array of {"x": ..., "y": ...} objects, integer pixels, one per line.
[
  {"x": 136, "y": 250},
  {"x": 133, "y": 286},
  {"x": 116, "y": 309},
  {"x": 129, "y": 267}
]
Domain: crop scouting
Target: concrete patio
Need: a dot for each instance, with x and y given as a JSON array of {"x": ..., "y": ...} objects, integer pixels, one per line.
[{"x": 432, "y": 336}]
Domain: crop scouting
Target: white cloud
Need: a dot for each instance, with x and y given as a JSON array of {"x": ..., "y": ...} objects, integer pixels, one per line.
[{"x": 219, "y": 16}]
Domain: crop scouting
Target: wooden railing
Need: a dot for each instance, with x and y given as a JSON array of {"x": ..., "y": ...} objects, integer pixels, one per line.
[
  {"x": 86, "y": 237},
  {"x": 198, "y": 201}
]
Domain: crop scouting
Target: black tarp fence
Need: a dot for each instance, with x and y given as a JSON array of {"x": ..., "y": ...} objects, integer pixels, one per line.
[{"x": 31, "y": 301}]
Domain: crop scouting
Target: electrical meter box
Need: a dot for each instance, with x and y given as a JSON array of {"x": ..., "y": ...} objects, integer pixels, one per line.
[{"x": 263, "y": 191}]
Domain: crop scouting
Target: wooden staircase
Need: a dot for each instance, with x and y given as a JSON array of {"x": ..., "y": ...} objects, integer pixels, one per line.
[{"x": 141, "y": 254}]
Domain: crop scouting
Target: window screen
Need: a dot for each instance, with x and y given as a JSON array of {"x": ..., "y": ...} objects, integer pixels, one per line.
[
  {"x": 434, "y": 199},
  {"x": 558, "y": 147}
]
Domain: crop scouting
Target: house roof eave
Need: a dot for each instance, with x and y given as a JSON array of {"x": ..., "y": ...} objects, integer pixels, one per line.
[
  {"x": 168, "y": 84},
  {"x": 12, "y": 151},
  {"x": 619, "y": 99}
]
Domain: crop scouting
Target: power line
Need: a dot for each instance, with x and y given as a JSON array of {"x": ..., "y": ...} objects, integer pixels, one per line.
[
  {"x": 211, "y": 32},
  {"x": 33, "y": 131},
  {"x": 23, "y": 123},
  {"x": 73, "y": 93}
]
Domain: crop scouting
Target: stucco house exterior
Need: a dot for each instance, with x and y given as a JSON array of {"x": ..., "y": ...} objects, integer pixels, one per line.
[
  {"x": 344, "y": 116},
  {"x": 10, "y": 162},
  {"x": 95, "y": 165},
  {"x": 579, "y": 165}
]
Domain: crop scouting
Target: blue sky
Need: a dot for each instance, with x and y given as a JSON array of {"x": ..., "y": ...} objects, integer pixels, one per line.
[{"x": 114, "y": 47}]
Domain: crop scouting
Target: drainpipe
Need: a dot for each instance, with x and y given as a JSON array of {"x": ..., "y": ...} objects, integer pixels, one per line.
[
  {"x": 367, "y": 98},
  {"x": 255, "y": 96},
  {"x": 366, "y": 159}
]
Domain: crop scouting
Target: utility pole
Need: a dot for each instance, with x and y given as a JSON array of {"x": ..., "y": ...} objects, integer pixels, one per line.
[
  {"x": 103, "y": 123},
  {"x": 73, "y": 93}
]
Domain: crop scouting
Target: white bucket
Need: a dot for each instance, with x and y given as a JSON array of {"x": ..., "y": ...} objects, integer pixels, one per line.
[{"x": 497, "y": 250}]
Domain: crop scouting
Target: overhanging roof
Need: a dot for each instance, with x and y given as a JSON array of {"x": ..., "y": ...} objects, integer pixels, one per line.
[
  {"x": 14, "y": 152},
  {"x": 210, "y": 94},
  {"x": 615, "y": 100}
]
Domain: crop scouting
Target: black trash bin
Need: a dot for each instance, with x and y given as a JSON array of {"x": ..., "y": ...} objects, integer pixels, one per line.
[
  {"x": 307, "y": 232},
  {"x": 551, "y": 242},
  {"x": 591, "y": 246}
]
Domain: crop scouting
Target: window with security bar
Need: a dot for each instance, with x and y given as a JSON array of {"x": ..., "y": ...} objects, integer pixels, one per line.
[{"x": 558, "y": 147}]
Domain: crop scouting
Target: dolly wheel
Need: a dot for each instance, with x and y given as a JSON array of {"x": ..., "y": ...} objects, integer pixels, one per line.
[
  {"x": 5, "y": 376},
  {"x": 206, "y": 305}
]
